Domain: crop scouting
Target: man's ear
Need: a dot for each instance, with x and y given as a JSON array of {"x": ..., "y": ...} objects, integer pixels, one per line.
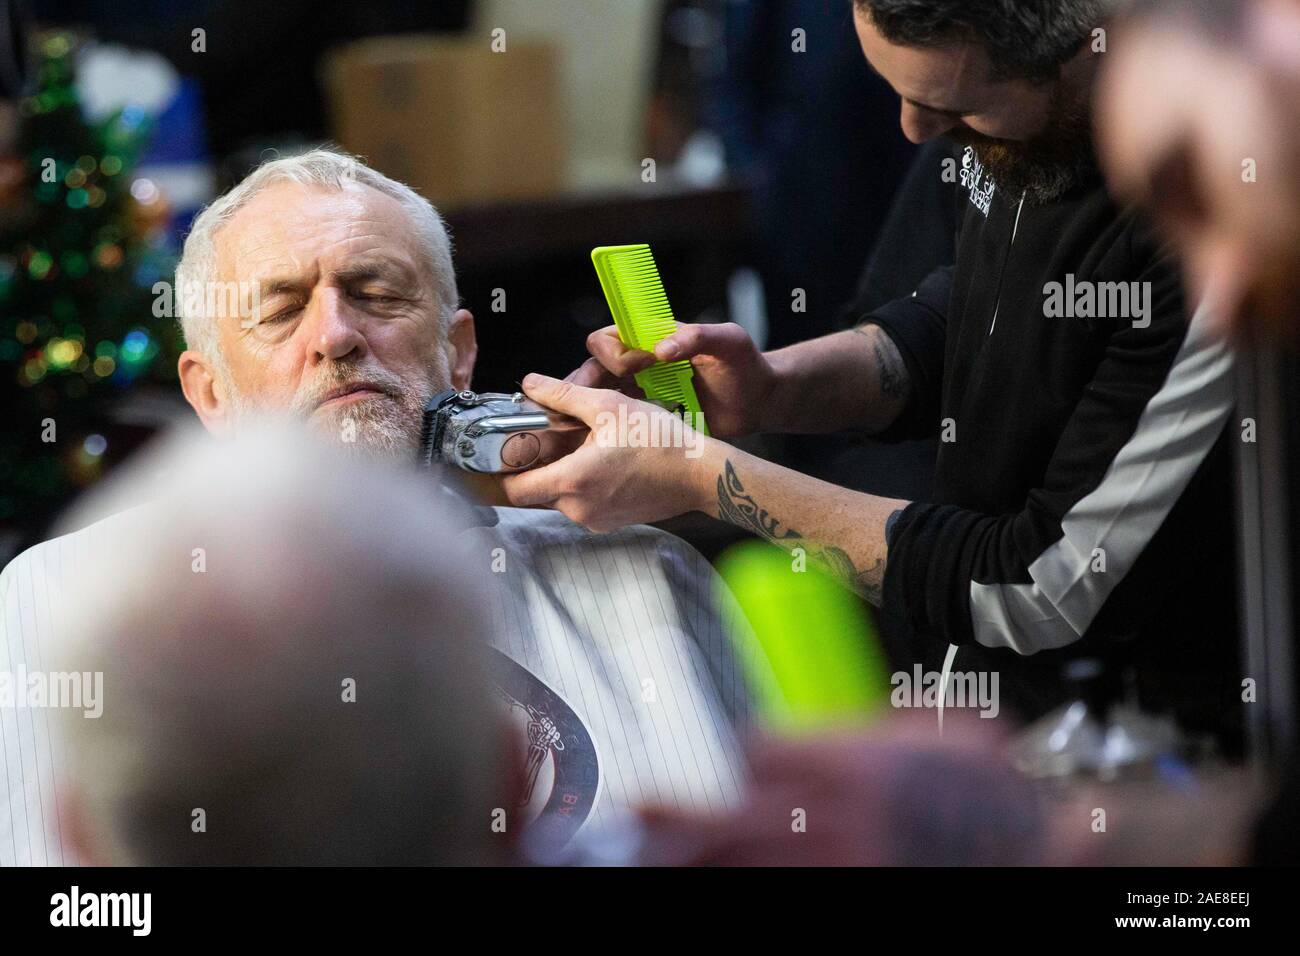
[
  {"x": 204, "y": 393},
  {"x": 462, "y": 349}
]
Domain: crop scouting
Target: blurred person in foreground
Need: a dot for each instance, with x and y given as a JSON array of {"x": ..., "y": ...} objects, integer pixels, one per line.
[
  {"x": 1199, "y": 118},
  {"x": 614, "y": 660},
  {"x": 272, "y": 691},
  {"x": 900, "y": 794}
]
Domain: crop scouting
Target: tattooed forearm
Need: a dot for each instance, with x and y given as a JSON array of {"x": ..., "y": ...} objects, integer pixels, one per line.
[
  {"x": 742, "y": 510},
  {"x": 739, "y": 507},
  {"x": 869, "y": 582}
]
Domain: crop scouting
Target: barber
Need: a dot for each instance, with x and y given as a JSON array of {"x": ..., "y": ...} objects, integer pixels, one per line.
[{"x": 1083, "y": 453}]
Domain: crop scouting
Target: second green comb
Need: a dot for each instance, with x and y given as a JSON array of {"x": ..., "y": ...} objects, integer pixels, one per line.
[{"x": 643, "y": 317}]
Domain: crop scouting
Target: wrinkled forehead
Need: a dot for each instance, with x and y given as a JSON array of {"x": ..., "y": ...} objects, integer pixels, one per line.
[{"x": 291, "y": 229}]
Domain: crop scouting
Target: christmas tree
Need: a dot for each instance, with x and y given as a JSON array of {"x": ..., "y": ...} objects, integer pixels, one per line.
[{"x": 82, "y": 244}]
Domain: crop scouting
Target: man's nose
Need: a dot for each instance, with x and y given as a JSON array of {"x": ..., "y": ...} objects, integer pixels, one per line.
[
  {"x": 922, "y": 125},
  {"x": 334, "y": 327}
]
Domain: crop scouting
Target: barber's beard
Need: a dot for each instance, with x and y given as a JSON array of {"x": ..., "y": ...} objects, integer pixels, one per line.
[
  {"x": 1046, "y": 167},
  {"x": 385, "y": 426}
]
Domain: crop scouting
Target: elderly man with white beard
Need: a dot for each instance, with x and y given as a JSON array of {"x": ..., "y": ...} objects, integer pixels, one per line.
[{"x": 613, "y": 657}]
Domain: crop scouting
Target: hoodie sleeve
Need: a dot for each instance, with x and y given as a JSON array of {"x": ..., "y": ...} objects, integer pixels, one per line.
[{"x": 1029, "y": 580}]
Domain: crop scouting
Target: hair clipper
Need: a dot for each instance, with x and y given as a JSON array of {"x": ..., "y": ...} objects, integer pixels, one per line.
[{"x": 494, "y": 433}]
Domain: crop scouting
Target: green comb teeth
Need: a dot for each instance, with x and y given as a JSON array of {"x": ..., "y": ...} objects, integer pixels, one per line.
[{"x": 643, "y": 317}]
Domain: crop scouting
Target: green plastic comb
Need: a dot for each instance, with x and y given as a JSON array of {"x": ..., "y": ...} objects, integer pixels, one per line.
[
  {"x": 643, "y": 317},
  {"x": 811, "y": 655}
]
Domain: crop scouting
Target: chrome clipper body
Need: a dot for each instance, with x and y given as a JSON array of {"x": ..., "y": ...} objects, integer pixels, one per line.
[{"x": 494, "y": 433}]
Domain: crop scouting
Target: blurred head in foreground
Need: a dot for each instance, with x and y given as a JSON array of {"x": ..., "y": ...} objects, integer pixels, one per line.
[
  {"x": 321, "y": 289},
  {"x": 1198, "y": 118},
  {"x": 290, "y": 651}
]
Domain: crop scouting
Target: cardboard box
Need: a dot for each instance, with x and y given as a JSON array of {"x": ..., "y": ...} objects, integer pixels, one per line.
[
  {"x": 450, "y": 117},
  {"x": 608, "y": 50}
]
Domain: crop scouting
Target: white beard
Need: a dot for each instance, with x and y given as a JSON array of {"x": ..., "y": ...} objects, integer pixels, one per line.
[{"x": 379, "y": 427}]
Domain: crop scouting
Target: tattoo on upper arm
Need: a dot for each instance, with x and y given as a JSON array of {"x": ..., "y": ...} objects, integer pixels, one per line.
[
  {"x": 891, "y": 373},
  {"x": 739, "y": 507}
]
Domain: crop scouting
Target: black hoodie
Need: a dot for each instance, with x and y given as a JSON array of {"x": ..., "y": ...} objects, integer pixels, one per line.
[{"x": 1082, "y": 504}]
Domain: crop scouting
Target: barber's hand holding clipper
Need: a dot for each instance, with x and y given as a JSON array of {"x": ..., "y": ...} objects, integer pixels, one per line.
[
  {"x": 607, "y": 484},
  {"x": 825, "y": 385},
  {"x": 604, "y": 484}
]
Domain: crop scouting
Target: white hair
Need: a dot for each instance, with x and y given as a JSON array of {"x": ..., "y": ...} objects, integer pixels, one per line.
[
  {"x": 331, "y": 169},
  {"x": 225, "y": 689}
]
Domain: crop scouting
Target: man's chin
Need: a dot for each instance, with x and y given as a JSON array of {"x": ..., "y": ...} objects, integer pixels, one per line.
[{"x": 373, "y": 427}]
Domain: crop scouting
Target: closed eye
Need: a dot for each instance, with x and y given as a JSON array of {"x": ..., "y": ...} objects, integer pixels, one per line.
[{"x": 378, "y": 300}]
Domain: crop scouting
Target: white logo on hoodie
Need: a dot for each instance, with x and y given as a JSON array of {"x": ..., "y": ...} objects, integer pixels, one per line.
[{"x": 980, "y": 188}]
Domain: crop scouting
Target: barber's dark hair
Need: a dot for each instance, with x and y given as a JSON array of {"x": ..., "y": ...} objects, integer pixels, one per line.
[{"x": 1025, "y": 39}]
